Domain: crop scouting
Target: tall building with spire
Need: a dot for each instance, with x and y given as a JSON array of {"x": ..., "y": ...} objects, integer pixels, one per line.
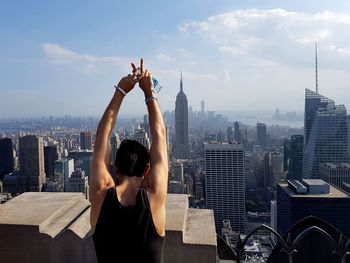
[
  {"x": 181, "y": 147},
  {"x": 326, "y": 133}
]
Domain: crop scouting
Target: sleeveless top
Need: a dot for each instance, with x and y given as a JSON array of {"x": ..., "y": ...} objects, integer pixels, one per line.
[{"x": 127, "y": 234}]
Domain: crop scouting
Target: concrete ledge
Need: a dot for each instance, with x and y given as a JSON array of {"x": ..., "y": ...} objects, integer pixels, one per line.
[
  {"x": 55, "y": 227},
  {"x": 51, "y": 213},
  {"x": 200, "y": 227},
  {"x": 176, "y": 211},
  {"x": 81, "y": 227}
]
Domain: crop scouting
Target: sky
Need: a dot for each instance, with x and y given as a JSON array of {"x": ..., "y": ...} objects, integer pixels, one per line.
[{"x": 63, "y": 57}]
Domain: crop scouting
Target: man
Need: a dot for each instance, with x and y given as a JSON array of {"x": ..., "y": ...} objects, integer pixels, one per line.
[{"x": 129, "y": 218}]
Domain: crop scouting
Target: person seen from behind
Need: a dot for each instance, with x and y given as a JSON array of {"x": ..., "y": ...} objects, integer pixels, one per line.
[{"x": 128, "y": 219}]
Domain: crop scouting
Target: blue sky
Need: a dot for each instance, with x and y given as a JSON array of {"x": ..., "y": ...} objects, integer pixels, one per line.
[{"x": 63, "y": 57}]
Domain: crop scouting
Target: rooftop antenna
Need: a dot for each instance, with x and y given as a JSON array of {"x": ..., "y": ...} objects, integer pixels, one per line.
[
  {"x": 316, "y": 67},
  {"x": 181, "y": 85}
]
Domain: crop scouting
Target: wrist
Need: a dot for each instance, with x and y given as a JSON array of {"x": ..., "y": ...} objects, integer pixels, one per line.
[
  {"x": 150, "y": 98},
  {"x": 118, "y": 89},
  {"x": 149, "y": 93}
]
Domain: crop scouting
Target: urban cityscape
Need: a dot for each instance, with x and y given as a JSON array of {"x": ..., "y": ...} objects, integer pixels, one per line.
[{"x": 266, "y": 177}]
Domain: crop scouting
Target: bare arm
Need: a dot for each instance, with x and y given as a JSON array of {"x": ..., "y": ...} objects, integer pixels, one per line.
[
  {"x": 157, "y": 179},
  {"x": 101, "y": 179},
  {"x": 156, "y": 182}
]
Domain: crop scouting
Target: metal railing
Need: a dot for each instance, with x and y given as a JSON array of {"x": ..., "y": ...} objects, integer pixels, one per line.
[{"x": 303, "y": 234}]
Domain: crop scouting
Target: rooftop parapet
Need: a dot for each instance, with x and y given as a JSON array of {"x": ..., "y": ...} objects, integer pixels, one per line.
[{"x": 55, "y": 227}]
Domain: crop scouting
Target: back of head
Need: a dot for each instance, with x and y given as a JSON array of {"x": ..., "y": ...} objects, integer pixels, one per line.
[{"x": 132, "y": 158}]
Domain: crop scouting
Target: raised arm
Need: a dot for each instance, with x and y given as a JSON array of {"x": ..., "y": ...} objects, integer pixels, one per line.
[
  {"x": 101, "y": 179},
  {"x": 156, "y": 182}
]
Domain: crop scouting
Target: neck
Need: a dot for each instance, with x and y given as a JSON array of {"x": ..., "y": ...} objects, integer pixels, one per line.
[{"x": 127, "y": 189}]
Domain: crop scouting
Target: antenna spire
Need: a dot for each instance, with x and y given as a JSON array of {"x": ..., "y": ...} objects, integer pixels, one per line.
[
  {"x": 316, "y": 67},
  {"x": 181, "y": 85}
]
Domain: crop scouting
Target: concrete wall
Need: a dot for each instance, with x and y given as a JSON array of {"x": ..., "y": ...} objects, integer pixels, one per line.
[{"x": 55, "y": 227}]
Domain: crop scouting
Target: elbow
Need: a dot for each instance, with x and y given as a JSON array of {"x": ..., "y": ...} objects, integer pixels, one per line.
[{"x": 160, "y": 131}]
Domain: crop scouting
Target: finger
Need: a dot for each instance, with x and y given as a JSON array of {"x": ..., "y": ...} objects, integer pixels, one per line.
[
  {"x": 141, "y": 65},
  {"x": 134, "y": 69},
  {"x": 140, "y": 76},
  {"x": 135, "y": 81}
]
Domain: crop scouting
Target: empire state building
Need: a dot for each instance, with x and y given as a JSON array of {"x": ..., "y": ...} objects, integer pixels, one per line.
[{"x": 181, "y": 149}]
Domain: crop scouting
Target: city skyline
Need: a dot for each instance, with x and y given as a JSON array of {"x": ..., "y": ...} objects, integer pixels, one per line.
[{"x": 228, "y": 52}]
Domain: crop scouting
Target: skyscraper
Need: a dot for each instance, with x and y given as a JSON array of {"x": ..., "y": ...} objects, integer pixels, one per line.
[
  {"x": 229, "y": 134},
  {"x": 181, "y": 146},
  {"x": 115, "y": 142},
  {"x": 295, "y": 168},
  {"x": 63, "y": 169},
  {"x": 86, "y": 141},
  {"x": 82, "y": 160},
  {"x": 276, "y": 161},
  {"x": 51, "y": 155},
  {"x": 238, "y": 134},
  {"x": 224, "y": 184},
  {"x": 313, "y": 103},
  {"x": 286, "y": 154},
  {"x": 335, "y": 173},
  {"x": 299, "y": 199},
  {"x": 78, "y": 182},
  {"x": 6, "y": 157},
  {"x": 268, "y": 176},
  {"x": 326, "y": 133},
  {"x": 141, "y": 136},
  {"x": 31, "y": 158},
  {"x": 178, "y": 170},
  {"x": 261, "y": 134}
]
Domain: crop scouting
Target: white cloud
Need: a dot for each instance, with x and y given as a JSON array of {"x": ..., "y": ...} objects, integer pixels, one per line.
[
  {"x": 181, "y": 50},
  {"x": 199, "y": 76},
  {"x": 230, "y": 50},
  {"x": 164, "y": 58},
  {"x": 315, "y": 37},
  {"x": 227, "y": 75},
  {"x": 189, "y": 75},
  {"x": 340, "y": 51},
  {"x": 276, "y": 35},
  {"x": 84, "y": 63}
]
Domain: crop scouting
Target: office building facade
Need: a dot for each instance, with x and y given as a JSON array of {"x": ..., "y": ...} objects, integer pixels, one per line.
[
  {"x": 115, "y": 143},
  {"x": 141, "y": 136},
  {"x": 335, "y": 173},
  {"x": 82, "y": 160},
  {"x": 63, "y": 169},
  {"x": 6, "y": 157},
  {"x": 78, "y": 182},
  {"x": 225, "y": 184},
  {"x": 299, "y": 199},
  {"x": 51, "y": 155},
  {"x": 295, "y": 163},
  {"x": 31, "y": 159},
  {"x": 261, "y": 135},
  {"x": 326, "y": 133},
  {"x": 85, "y": 140},
  {"x": 238, "y": 134}
]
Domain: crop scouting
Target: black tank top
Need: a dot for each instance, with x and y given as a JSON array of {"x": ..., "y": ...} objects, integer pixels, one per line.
[{"x": 127, "y": 234}]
